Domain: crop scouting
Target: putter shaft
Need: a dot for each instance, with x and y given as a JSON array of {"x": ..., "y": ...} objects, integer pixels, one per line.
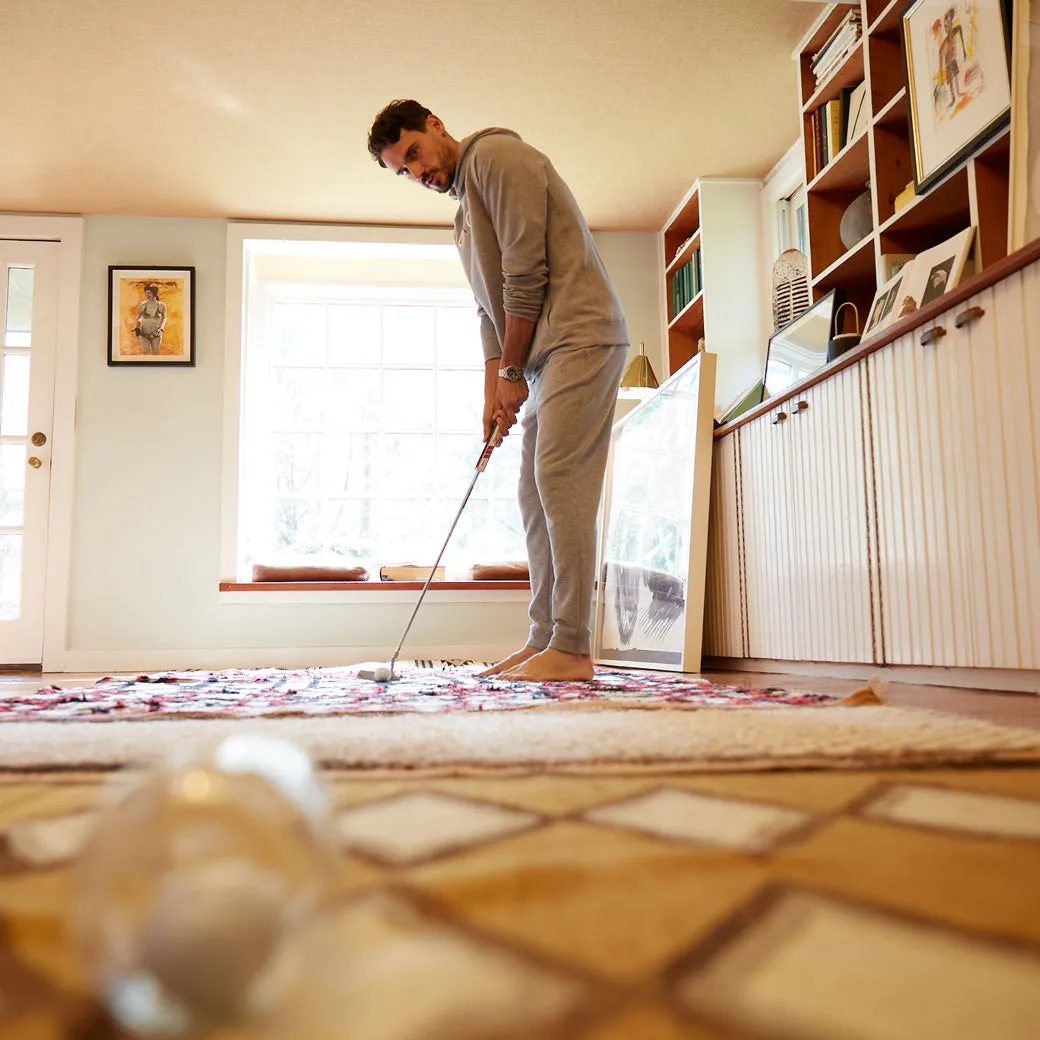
[{"x": 493, "y": 441}]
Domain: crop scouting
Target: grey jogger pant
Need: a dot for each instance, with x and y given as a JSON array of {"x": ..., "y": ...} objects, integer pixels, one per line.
[{"x": 566, "y": 425}]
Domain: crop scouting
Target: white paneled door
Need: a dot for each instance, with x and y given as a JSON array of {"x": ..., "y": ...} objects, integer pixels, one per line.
[{"x": 28, "y": 335}]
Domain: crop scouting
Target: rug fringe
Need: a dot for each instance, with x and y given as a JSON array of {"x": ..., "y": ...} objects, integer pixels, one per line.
[{"x": 872, "y": 693}]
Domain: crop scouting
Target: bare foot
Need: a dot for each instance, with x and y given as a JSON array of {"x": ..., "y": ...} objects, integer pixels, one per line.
[
  {"x": 511, "y": 661},
  {"x": 550, "y": 665}
]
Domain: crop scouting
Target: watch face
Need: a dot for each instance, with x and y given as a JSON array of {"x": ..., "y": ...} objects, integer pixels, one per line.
[{"x": 514, "y": 373}]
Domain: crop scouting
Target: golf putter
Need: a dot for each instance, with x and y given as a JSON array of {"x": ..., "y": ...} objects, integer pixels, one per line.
[{"x": 387, "y": 674}]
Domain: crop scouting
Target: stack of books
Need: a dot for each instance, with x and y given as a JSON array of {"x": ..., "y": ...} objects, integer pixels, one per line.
[
  {"x": 686, "y": 282},
  {"x": 838, "y": 47},
  {"x": 835, "y": 124}
]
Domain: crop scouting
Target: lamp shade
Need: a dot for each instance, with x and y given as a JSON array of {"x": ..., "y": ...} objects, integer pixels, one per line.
[{"x": 638, "y": 374}]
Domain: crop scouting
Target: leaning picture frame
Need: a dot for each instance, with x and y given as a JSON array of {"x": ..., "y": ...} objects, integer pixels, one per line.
[
  {"x": 151, "y": 315},
  {"x": 1024, "y": 179},
  {"x": 651, "y": 563},
  {"x": 888, "y": 302},
  {"x": 938, "y": 270},
  {"x": 956, "y": 67}
]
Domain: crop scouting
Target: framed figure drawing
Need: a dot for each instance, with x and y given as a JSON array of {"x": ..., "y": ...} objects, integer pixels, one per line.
[
  {"x": 958, "y": 84},
  {"x": 151, "y": 316},
  {"x": 649, "y": 604}
]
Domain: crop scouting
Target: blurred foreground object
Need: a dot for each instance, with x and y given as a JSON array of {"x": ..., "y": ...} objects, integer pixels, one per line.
[{"x": 193, "y": 879}]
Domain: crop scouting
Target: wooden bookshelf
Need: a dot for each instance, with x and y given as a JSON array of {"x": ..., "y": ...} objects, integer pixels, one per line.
[
  {"x": 719, "y": 217},
  {"x": 879, "y": 160}
]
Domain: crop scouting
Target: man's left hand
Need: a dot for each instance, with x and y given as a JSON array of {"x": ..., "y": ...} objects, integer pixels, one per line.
[{"x": 509, "y": 398}]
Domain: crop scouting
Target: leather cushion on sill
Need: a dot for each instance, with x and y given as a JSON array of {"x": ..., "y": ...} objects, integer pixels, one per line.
[
  {"x": 262, "y": 572},
  {"x": 501, "y": 572}
]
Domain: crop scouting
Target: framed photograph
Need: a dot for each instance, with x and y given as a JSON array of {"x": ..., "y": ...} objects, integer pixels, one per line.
[
  {"x": 151, "y": 315},
  {"x": 1024, "y": 187},
  {"x": 801, "y": 346},
  {"x": 956, "y": 61},
  {"x": 939, "y": 269},
  {"x": 649, "y": 607},
  {"x": 889, "y": 301}
]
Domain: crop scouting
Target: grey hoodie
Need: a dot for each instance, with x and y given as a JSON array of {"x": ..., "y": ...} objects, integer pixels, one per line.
[{"x": 527, "y": 250}]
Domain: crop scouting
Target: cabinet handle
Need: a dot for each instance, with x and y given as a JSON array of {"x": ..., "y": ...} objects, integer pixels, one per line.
[
  {"x": 801, "y": 406},
  {"x": 966, "y": 317},
  {"x": 780, "y": 417},
  {"x": 932, "y": 335}
]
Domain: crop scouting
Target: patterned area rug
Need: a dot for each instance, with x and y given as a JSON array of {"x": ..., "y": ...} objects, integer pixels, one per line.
[{"x": 423, "y": 686}]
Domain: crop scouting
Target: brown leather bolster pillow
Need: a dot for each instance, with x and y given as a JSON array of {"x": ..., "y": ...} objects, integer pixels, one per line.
[
  {"x": 262, "y": 572},
  {"x": 501, "y": 572}
]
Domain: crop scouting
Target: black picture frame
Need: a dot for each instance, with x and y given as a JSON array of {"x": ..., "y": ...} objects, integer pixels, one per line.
[
  {"x": 809, "y": 351},
  {"x": 151, "y": 316},
  {"x": 924, "y": 180}
]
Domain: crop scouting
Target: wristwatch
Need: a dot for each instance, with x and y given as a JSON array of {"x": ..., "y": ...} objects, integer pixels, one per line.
[{"x": 514, "y": 373}]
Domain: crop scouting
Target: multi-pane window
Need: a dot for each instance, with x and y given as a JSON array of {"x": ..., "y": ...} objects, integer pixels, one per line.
[{"x": 362, "y": 409}]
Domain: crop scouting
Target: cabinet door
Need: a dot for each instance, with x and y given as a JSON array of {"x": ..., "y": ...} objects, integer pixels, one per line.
[
  {"x": 955, "y": 430},
  {"x": 723, "y": 607},
  {"x": 767, "y": 508},
  {"x": 832, "y": 521},
  {"x": 807, "y": 527}
]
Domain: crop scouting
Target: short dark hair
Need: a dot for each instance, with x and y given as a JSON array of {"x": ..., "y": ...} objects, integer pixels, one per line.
[
  {"x": 397, "y": 116},
  {"x": 152, "y": 288}
]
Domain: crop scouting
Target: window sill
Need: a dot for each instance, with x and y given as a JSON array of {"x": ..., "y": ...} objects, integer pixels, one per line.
[{"x": 367, "y": 591}]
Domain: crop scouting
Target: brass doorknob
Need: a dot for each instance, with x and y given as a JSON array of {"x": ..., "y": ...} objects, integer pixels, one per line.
[
  {"x": 39, "y": 439},
  {"x": 34, "y": 462}
]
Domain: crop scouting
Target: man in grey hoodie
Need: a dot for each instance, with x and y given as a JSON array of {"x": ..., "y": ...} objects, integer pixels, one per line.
[{"x": 555, "y": 343}]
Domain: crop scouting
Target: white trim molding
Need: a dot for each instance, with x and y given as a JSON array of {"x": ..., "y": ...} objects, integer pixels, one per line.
[
  {"x": 238, "y": 233},
  {"x": 67, "y": 231}
]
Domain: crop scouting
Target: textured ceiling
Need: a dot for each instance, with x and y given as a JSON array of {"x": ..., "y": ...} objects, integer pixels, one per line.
[{"x": 262, "y": 109}]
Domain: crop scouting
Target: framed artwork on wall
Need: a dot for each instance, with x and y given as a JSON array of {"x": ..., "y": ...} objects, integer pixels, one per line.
[
  {"x": 649, "y": 606},
  {"x": 956, "y": 63},
  {"x": 1024, "y": 187},
  {"x": 151, "y": 316}
]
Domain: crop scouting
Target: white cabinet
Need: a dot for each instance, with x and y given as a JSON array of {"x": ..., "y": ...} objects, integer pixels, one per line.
[
  {"x": 723, "y": 614},
  {"x": 955, "y": 431},
  {"x": 807, "y": 527}
]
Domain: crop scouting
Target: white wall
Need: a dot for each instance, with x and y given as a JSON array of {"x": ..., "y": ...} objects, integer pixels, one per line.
[{"x": 146, "y": 524}]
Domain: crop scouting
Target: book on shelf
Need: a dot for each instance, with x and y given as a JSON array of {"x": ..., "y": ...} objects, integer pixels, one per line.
[
  {"x": 831, "y": 123},
  {"x": 686, "y": 283},
  {"x": 858, "y": 113},
  {"x": 409, "y": 572},
  {"x": 841, "y": 43}
]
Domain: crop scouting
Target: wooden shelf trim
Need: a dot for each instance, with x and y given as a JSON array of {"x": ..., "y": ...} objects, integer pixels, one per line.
[
  {"x": 850, "y": 167},
  {"x": 885, "y": 114},
  {"x": 366, "y": 586},
  {"x": 847, "y": 74},
  {"x": 940, "y": 201},
  {"x": 888, "y": 19},
  {"x": 688, "y": 317},
  {"x": 686, "y": 253},
  {"x": 848, "y": 264},
  {"x": 989, "y": 276}
]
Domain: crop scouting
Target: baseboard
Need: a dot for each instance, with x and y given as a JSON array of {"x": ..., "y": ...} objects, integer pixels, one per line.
[
  {"x": 157, "y": 660},
  {"x": 1002, "y": 680}
]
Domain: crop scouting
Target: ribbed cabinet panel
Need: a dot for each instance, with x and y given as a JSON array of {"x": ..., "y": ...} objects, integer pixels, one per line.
[
  {"x": 768, "y": 564},
  {"x": 831, "y": 522},
  {"x": 723, "y": 607},
  {"x": 955, "y": 441}
]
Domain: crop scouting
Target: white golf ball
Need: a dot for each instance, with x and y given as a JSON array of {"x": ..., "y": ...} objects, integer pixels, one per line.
[{"x": 381, "y": 675}]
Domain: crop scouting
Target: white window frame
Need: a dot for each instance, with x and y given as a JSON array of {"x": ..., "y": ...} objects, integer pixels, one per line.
[
  {"x": 238, "y": 232},
  {"x": 782, "y": 181}
]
